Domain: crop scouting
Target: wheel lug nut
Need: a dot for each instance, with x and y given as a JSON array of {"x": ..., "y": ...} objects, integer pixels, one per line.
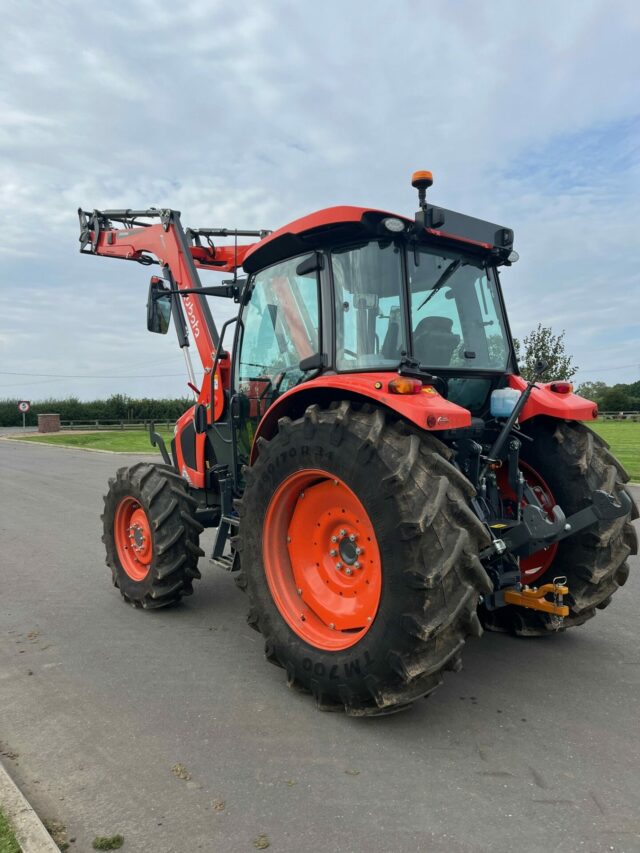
[
  {"x": 356, "y": 565},
  {"x": 343, "y": 532},
  {"x": 299, "y": 591},
  {"x": 334, "y": 538},
  {"x": 333, "y": 553},
  {"x": 348, "y": 571},
  {"x": 352, "y": 537},
  {"x": 332, "y": 626},
  {"x": 358, "y": 551},
  {"x": 338, "y": 565}
]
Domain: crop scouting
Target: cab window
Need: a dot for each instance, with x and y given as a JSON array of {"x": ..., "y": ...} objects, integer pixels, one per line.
[
  {"x": 370, "y": 326},
  {"x": 280, "y": 328}
]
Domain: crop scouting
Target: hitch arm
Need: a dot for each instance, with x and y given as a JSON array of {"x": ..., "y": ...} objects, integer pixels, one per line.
[{"x": 537, "y": 531}]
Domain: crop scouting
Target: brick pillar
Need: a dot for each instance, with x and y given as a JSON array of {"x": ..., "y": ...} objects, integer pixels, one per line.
[{"x": 48, "y": 423}]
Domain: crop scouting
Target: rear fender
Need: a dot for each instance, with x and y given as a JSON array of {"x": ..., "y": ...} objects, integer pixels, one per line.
[
  {"x": 543, "y": 401},
  {"x": 427, "y": 409}
]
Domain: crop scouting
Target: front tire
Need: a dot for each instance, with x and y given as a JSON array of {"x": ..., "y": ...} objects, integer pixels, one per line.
[
  {"x": 419, "y": 578},
  {"x": 150, "y": 535}
]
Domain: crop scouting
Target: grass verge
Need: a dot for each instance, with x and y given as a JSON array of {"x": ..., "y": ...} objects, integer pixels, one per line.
[
  {"x": 624, "y": 440},
  {"x": 622, "y": 436},
  {"x": 121, "y": 441},
  {"x": 8, "y": 843}
]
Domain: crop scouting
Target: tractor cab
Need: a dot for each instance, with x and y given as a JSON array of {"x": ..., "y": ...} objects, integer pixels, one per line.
[{"x": 353, "y": 291}]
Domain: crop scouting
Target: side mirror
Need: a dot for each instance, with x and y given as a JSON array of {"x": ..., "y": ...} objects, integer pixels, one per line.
[{"x": 158, "y": 306}]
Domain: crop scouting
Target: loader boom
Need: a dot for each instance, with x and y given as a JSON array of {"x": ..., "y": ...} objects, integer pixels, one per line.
[{"x": 127, "y": 235}]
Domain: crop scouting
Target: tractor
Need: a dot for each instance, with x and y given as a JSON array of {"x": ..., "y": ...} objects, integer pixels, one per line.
[{"x": 383, "y": 481}]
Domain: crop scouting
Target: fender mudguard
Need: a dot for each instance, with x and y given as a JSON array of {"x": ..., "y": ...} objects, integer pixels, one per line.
[
  {"x": 543, "y": 401},
  {"x": 427, "y": 409}
]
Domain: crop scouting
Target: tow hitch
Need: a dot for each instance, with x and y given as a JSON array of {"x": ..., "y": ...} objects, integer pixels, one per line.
[
  {"x": 538, "y": 529},
  {"x": 535, "y": 597}
]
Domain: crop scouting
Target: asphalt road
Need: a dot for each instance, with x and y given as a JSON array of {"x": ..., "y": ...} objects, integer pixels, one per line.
[{"x": 534, "y": 746}]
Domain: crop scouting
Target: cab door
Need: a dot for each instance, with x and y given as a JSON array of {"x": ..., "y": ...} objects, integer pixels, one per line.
[{"x": 279, "y": 327}]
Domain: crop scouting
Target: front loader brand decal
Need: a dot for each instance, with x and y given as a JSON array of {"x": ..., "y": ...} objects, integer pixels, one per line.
[
  {"x": 127, "y": 233},
  {"x": 193, "y": 319},
  {"x": 186, "y": 476}
]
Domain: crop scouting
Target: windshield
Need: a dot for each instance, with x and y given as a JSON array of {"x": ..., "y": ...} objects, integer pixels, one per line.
[{"x": 456, "y": 318}]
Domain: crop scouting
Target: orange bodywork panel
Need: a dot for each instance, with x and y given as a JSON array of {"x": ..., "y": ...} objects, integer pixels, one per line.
[
  {"x": 543, "y": 401},
  {"x": 427, "y": 409}
]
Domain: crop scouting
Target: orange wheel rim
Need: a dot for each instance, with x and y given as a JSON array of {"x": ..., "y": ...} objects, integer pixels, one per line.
[
  {"x": 132, "y": 534},
  {"x": 322, "y": 560},
  {"x": 535, "y": 565}
]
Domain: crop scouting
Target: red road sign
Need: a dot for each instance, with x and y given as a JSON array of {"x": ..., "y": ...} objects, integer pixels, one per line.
[{"x": 24, "y": 406}]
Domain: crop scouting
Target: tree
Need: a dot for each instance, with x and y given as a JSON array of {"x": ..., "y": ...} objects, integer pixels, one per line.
[
  {"x": 619, "y": 399},
  {"x": 593, "y": 391},
  {"x": 542, "y": 345}
]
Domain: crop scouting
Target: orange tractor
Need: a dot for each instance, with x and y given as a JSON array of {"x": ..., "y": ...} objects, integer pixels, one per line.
[{"x": 383, "y": 481}]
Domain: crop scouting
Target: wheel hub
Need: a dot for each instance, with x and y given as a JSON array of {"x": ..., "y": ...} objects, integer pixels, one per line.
[
  {"x": 132, "y": 535},
  {"x": 327, "y": 579},
  {"x": 347, "y": 549}
]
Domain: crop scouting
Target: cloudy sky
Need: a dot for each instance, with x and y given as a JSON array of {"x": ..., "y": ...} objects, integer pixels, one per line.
[{"x": 251, "y": 114}]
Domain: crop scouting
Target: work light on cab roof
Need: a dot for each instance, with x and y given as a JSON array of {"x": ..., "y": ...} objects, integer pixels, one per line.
[{"x": 382, "y": 480}]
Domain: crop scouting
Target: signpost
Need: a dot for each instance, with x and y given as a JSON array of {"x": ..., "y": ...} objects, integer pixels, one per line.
[{"x": 24, "y": 406}]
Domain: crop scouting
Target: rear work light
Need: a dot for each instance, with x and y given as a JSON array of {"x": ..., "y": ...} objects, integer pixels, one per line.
[
  {"x": 404, "y": 385},
  {"x": 561, "y": 387}
]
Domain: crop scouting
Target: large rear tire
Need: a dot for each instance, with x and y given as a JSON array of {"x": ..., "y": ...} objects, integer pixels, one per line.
[
  {"x": 375, "y": 638},
  {"x": 150, "y": 535},
  {"x": 574, "y": 462}
]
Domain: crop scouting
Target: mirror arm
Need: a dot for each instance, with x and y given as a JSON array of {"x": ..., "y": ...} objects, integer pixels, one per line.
[{"x": 176, "y": 311}]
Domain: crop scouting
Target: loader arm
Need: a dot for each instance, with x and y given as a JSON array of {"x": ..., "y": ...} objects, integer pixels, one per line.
[{"x": 127, "y": 234}]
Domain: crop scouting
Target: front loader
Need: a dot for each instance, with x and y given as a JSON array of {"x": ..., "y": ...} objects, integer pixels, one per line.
[{"x": 383, "y": 481}]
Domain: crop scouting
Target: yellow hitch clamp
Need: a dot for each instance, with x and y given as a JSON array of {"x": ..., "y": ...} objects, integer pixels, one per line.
[{"x": 534, "y": 597}]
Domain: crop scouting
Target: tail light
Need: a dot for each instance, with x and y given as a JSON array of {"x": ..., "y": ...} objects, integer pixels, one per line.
[
  {"x": 404, "y": 385},
  {"x": 561, "y": 387}
]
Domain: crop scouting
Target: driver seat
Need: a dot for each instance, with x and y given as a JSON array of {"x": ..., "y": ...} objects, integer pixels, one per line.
[{"x": 434, "y": 342}]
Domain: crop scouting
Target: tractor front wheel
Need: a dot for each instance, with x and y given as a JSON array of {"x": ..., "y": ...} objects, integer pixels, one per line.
[
  {"x": 151, "y": 536},
  {"x": 359, "y": 554}
]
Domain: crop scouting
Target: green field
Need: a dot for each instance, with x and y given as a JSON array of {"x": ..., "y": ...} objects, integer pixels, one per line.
[
  {"x": 122, "y": 441},
  {"x": 8, "y": 843},
  {"x": 624, "y": 440}
]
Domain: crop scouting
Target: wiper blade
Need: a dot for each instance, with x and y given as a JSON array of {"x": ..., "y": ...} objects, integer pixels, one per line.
[{"x": 453, "y": 267}]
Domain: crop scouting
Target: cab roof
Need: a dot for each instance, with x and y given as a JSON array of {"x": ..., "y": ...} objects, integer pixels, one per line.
[{"x": 343, "y": 223}]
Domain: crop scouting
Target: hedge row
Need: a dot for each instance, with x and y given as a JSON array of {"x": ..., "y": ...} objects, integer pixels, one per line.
[{"x": 118, "y": 407}]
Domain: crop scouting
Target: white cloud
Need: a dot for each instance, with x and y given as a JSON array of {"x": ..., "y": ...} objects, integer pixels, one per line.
[{"x": 251, "y": 116}]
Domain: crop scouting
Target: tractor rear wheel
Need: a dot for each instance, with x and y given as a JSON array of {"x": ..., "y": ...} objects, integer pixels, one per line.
[
  {"x": 359, "y": 555},
  {"x": 151, "y": 535},
  {"x": 571, "y": 462}
]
